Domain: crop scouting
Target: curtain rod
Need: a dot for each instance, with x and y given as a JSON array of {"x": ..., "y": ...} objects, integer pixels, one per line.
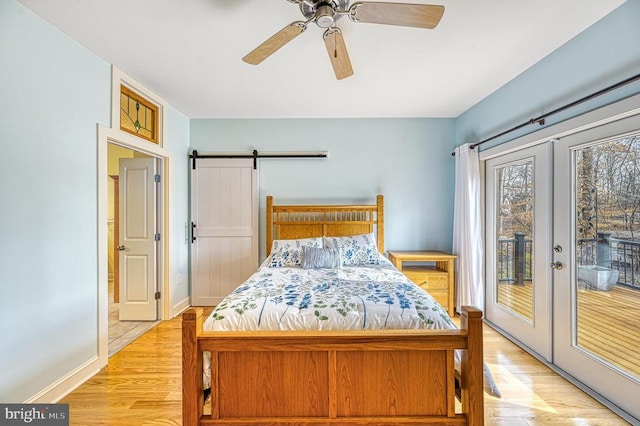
[
  {"x": 541, "y": 119},
  {"x": 255, "y": 155}
]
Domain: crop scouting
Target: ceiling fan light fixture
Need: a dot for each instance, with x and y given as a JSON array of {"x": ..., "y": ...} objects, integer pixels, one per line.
[
  {"x": 325, "y": 16},
  {"x": 325, "y": 13}
]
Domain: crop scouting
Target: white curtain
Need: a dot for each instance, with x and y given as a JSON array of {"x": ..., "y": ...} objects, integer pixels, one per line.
[{"x": 467, "y": 230}]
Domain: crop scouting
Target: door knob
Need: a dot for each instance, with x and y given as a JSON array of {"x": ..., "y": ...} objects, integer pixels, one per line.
[
  {"x": 121, "y": 248},
  {"x": 557, "y": 266}
]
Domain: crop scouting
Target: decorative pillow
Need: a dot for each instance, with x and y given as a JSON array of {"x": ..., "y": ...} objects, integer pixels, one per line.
[
  {"x": 355, "y": 249},
  {"x": 288, "y": 253},
  {"x": 319, "y": 258}
]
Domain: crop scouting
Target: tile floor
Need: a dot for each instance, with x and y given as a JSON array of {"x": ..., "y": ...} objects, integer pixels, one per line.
[{"x": 121, "y": 333}]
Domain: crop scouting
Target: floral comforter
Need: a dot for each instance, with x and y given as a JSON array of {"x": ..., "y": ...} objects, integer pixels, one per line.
[{"x": 349, "y": 298}]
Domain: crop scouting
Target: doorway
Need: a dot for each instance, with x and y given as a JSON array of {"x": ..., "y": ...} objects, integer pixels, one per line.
[
  {"x": 587, "y": 260},
  {"x": 122, "y": 331}
]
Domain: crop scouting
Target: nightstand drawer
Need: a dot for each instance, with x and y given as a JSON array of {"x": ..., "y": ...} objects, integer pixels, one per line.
[
  {"x": 432, "y": 270},
  {"x": 429, "y": 279},
  {"x": 441, "y": 296}
]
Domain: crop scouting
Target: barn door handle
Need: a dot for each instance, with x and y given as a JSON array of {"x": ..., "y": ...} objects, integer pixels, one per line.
[{"x": 193, "y": 232}]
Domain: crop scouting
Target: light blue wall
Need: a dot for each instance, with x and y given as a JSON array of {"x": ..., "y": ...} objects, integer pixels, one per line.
[
  {"x": 406, "y": 160},
  {"x": 53, "y": 94},
  {"x": 177, "y": 143},
  {"x": 602, "y": 55}
]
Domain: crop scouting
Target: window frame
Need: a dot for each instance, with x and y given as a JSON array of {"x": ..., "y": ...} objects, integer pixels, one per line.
[{"x": 121, "y": 81}]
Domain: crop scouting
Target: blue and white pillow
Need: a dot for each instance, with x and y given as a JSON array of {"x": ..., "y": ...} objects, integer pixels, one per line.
[
  {"x": 355, "y": 249},
  {"x": 288, "y": 253}
]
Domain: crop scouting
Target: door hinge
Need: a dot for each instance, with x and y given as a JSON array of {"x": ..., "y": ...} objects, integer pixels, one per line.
[
  {"x": 157, "y": 295},
  {"x": 156, "y": 237},
  {"x": 156, "y": 178}
]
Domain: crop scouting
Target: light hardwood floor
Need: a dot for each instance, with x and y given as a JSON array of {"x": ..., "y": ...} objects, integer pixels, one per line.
[{"x": 141, "y": 386}]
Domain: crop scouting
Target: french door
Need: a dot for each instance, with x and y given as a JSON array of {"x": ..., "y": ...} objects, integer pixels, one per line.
[
  {"x": 596, "y": 280},
  {"x": 563, "y": 254},
  {"x": 518, "y": 232}
]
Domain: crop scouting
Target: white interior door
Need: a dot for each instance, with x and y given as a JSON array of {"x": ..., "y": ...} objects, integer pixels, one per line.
[
  {"x": 138, "y": 245},
  {"x": 224, "y": 214},
  {"x": 518, "y": 231},
  {"x": 597, "y": 231}
]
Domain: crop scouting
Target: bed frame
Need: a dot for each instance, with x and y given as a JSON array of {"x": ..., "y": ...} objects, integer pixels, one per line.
[{"x": 383, "y": 377}]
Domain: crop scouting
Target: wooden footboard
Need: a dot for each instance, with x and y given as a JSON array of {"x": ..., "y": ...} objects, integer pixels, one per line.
[{"x": 383, "y": 377}]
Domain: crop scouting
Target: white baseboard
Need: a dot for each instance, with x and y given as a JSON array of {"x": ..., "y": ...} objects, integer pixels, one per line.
[
  {"x": 68, "y": 383},
  {"x": 180, "y": 307}
]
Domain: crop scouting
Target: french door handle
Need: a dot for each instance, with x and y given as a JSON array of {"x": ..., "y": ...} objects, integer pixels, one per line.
[{"x": 558, "y": 266}]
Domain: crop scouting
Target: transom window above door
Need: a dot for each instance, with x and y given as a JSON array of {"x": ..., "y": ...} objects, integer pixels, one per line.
[{"x": 138, "y": 115}]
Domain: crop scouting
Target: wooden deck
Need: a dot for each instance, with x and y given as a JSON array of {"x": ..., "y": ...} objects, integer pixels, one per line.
[
  {"x": 518, "y": 298},
  {"x": 608, "y": 321}
]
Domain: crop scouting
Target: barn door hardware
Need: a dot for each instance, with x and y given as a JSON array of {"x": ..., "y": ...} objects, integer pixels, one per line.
[{"x": 255, "y": 155}]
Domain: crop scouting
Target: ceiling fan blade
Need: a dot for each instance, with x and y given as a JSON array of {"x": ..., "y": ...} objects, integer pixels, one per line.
[
  {"x": 275, "y": 42},
  {"x": 403, "y": 14},
  {"x": 338, "y": 54}
]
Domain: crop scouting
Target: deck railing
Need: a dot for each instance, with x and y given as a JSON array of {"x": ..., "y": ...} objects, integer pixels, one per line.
[
  {"x": 625, "y": 257},
  {"x": 515, "y": 258}
]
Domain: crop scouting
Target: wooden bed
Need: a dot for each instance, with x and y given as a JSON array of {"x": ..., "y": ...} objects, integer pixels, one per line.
[{"x": 384, "y": 377}]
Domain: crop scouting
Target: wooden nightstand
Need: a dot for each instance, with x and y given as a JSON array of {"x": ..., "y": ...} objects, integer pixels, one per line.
[{"x": 437, "y": 279}]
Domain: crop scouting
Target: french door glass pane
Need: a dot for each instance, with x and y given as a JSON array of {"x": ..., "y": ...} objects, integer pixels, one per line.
[
  {"x": 514, "y": 237},
  {"x": 607, "y": 241}
]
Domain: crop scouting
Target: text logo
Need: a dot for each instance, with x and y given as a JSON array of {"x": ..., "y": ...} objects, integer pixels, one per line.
[{"x": 34, "y": 414}]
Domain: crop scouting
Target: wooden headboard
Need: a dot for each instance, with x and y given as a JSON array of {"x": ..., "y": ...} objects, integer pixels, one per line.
[{"x": 306, "y": 221}]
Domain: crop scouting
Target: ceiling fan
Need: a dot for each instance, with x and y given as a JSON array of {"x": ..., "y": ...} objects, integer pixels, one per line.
[{"x": 325, "y": 13}]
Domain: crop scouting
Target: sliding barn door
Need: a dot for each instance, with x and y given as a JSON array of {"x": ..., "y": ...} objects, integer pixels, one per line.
[{"x": 224, "y": 215}]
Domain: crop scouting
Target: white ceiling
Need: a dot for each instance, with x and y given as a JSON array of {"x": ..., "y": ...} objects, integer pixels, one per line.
[{"x": 189, "y": 53}]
